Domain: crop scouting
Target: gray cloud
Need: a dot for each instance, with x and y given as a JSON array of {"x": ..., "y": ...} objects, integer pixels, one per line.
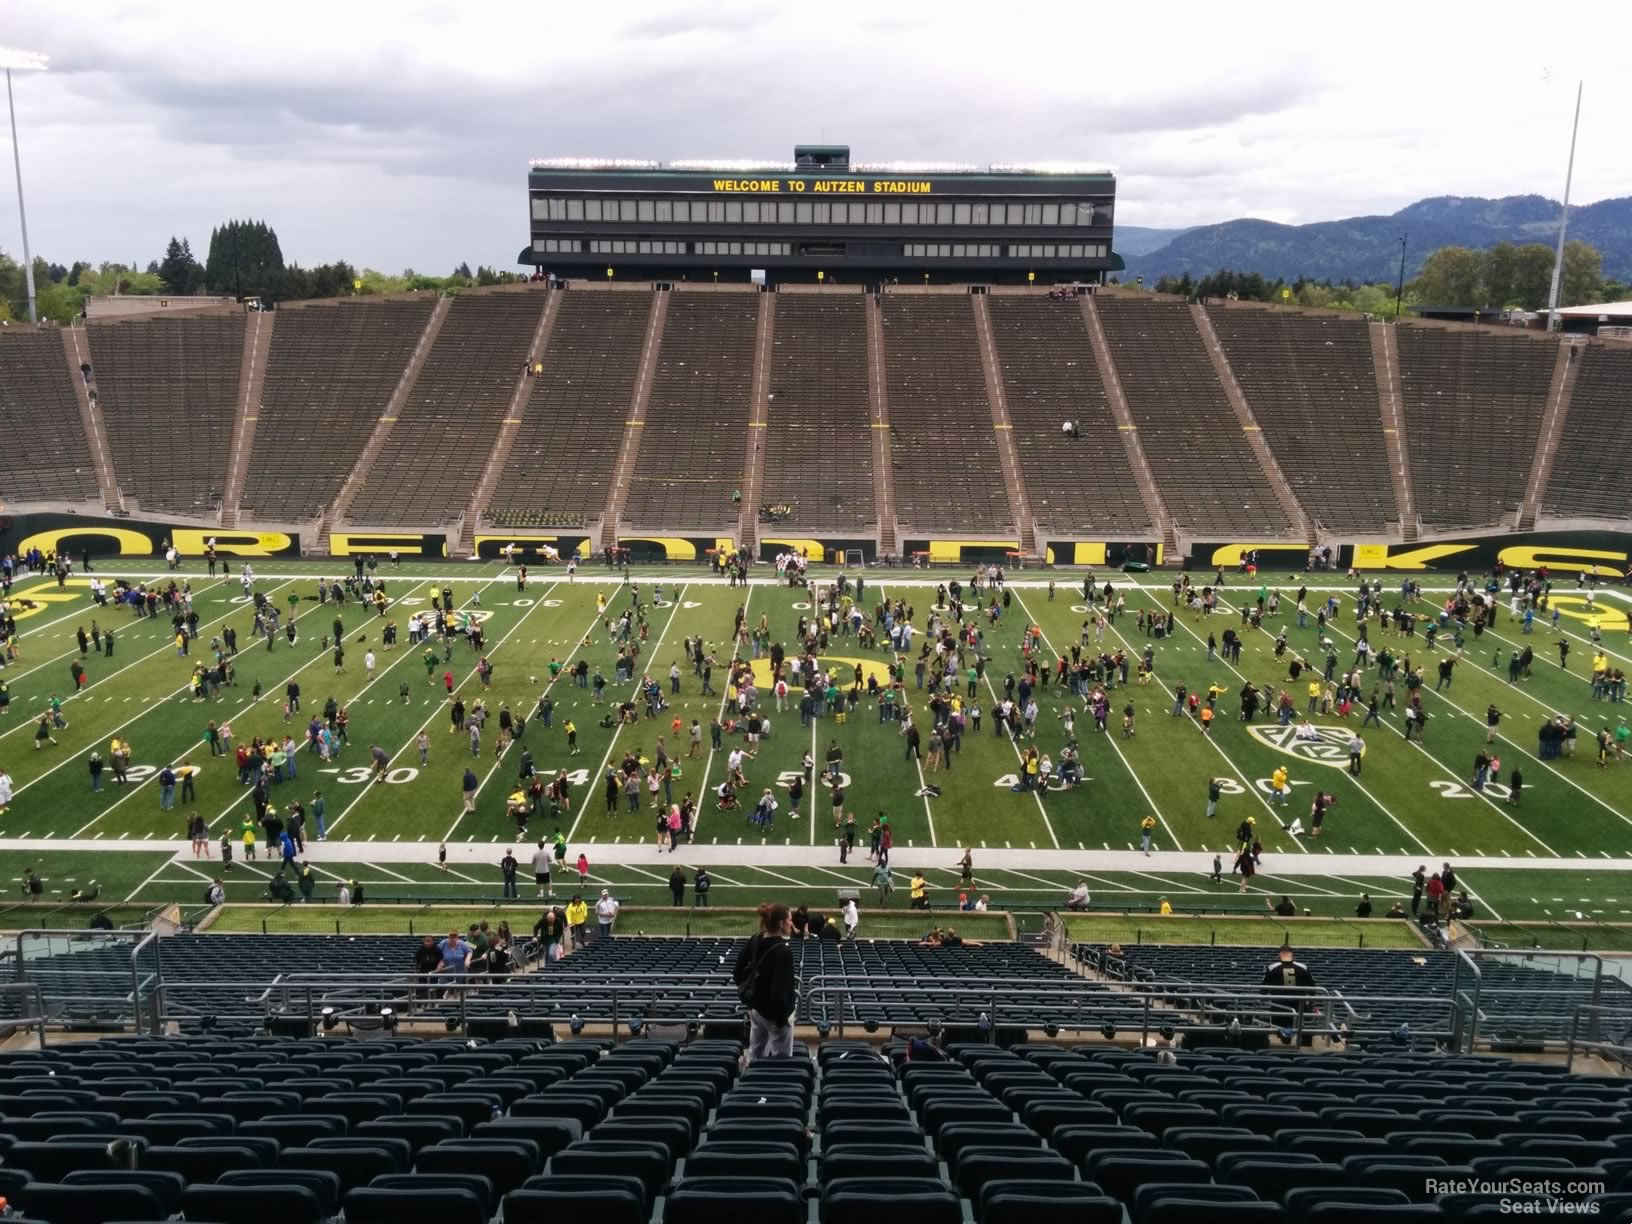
[{"x": 395, "y": 135}]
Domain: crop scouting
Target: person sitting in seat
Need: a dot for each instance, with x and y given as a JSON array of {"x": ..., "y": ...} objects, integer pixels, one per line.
[{"x": 1078, "y": 899}]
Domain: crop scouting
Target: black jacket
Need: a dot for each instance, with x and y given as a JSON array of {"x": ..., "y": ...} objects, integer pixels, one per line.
[
  {"x": 775, "y": 992},
  {"x": 1288, "y": 975}
]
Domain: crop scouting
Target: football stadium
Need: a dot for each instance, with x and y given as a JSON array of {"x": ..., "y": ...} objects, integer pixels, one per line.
[{"x": 778, "y": 711}]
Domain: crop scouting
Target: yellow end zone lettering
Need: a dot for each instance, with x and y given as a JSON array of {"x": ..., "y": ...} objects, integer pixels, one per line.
[
  {"x": 191, "y": 542},
  {"x": 61, "y": 539}
]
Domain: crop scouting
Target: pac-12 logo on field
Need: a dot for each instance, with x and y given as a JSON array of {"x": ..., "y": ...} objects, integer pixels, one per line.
[{"x": 1329, "y": 747}]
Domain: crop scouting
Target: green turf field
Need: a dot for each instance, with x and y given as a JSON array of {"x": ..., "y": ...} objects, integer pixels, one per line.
[{"x": 1411, "y": 800}]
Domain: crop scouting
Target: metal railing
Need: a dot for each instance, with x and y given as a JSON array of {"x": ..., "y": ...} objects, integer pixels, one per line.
[
  {"x": 1325, "y": 931},
  {"x": 29, "y": 1007},
  {"x": 1077, "y": 1005},
  {"x": 1603, "y": 1031},
  {"x": 552, "y": 994}
]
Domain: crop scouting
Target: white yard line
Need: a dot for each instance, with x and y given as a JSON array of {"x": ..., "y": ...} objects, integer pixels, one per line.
[
  {"x": 599, "y": 775},
  {"x": 532, "y": 704},
  {"x": 1110, "y": 739},
  {"x": 708, "y": 763},
  {"x": 437, "y": 713},
  {"x": 28, "y": 634},
  {"x": 1360, "y": 786},
  {"x": 272, "y": 694},
  {"x": 145, "y": 710},
  {"x": 1438, "y": 764}
]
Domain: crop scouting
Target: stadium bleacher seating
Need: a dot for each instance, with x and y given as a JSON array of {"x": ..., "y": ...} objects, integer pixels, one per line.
[
  {"x": 51, "y": 458},
  {"x": 1049, "y": 376},
  {"x": 692, "y": 446},
  {"x": 330, "y": 374},
  {"x": 1590, "y": 478},
  {"x": 941, "y": 441},
  {"x": 168, "y": 390},
  {"x": 1312, "y": 389},
  {"x": 1209, "y": 477},
  {"x": 818, "y": 445},
  {"x": 1473, "y": 406},
  {"x": 444, "y": 433},
  {"x": 1516, "y": 999},
  {"x": 566, "y": 448},
  {"x": 672, "y": 979},
  {"x": 233, "y": 1128}
]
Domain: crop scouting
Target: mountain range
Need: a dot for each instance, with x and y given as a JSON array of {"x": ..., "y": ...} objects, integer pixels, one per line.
[{"x": 1368, "y": 248}]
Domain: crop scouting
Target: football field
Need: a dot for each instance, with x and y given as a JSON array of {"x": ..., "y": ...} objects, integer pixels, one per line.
[{"x": 1411, "y": 800}]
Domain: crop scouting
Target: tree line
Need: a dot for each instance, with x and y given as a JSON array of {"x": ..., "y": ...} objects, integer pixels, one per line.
[
  {"x": 243, "y": 260},
  {"x": 1504, "y": 277}
]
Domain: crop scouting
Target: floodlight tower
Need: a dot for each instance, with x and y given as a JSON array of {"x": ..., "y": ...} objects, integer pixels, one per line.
[
  {"x": 1564, "y": 219},
  {"x": 23, "y": 61}
]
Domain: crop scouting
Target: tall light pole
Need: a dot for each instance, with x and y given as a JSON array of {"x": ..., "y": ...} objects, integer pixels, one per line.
[
  {"x": 23, "y": 61},
  {"x": 1399, "y": 289},
  {"x": 1564, "y": 219}
]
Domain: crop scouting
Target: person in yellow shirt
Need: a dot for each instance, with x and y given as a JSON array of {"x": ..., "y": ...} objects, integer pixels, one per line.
[
  {"x": 577, "y": 917},
  {"x": 920, "y": 891},
  {"x": 1277, "y": 784},
  {"x": 1167, "y": 908},
  {"x": 1314, "y": 696}
]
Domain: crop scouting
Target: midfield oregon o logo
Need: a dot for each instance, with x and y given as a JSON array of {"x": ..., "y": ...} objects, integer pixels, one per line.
[{"x": 1329, "y": 747}]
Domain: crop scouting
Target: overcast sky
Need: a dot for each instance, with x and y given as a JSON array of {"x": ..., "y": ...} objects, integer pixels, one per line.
[{"x": 398, "y": 134}]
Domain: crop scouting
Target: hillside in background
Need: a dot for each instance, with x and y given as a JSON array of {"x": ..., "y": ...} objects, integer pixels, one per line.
[
  {"x": 1367, "y": 249},
  {"x": 1134, "y": 240}
]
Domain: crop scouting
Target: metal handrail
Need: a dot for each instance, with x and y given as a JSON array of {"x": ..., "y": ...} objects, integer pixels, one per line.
[
  {"x": 416, "y": 995},
  {"x": 136, "y": 975},
  {"x": 1462, "y": 958},
  {"x": 31, "y": 991},
  {"x": 1080, "y": 998},
  {"x": 1620, "y": 1051}
]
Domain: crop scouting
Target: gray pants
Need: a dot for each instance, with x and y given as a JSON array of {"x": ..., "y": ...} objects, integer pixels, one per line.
[{"x": 767, "y": 1039}]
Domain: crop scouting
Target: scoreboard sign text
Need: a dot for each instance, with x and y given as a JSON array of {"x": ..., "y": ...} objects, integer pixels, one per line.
[{"x": 849, "y": 186}]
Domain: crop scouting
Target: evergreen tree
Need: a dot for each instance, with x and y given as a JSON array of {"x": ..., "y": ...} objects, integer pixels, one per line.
[
  {"x": 244, "y": 259},
  {"x": 176, "y": 268}
]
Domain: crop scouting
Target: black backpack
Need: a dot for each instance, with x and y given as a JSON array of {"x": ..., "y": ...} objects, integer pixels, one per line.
[{"x": 749, "y": 986}]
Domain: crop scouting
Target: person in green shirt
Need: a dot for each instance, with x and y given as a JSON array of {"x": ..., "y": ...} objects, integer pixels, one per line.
[
  {"x": 883, "y": 881},
  {"x": 974, "y": 675},
  {"x": 555, "y": 668},
  {"x": 430, "y": 665}
]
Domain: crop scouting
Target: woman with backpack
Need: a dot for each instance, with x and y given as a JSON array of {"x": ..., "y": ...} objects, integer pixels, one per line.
[{"x": 765, "y": 983}]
